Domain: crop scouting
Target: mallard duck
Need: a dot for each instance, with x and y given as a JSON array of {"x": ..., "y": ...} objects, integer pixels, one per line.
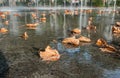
[
  {"x": 49, "y": 54},
  {"x": 84, "y": 39},
  {"x": 3, "y": 30},
  {"x": 71, "y": 40},
  {"x": 24, "y": 36}
]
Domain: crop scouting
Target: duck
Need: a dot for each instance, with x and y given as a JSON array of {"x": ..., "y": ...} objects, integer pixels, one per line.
[
  {"x": 24, "y": 36},
  {"x": 49, "y": 54},
  {"x": 84, "y": 39},
  {"x": 3, "y": 30}
]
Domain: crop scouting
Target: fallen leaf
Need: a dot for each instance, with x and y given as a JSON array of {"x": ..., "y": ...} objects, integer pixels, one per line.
[
  {"x": 84, "y": 39},
  {"x": 49, "y": 54},
  {"x": 24, "y": 36},
  {"x": 71, "y": 41},
  {"x": 101, "y": 42}
]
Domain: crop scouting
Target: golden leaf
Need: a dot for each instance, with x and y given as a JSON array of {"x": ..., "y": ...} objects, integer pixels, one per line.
[
  {"x": 72, "y": 41},
  {"x": 101, "y": 43},
  {"x": 24, "y": 35},
  {"x": 3, "y": 30},
  {"x": 49, "y": 54},
  {"x": 76, "y": 31},
  {"x": 84, "y": 39}
]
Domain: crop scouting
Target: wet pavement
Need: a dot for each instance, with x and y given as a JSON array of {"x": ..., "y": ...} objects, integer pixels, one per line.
[{"x": 19, "y": 58}]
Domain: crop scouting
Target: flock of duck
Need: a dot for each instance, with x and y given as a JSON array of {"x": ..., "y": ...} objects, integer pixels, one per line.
[{"x": 50, "y": 54}]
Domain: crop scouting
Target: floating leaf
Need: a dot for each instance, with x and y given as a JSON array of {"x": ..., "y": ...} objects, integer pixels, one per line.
[
  {"x": 32, "y": 25},
  {"x": 101, "y": 42},
  {"x": 6, "y": 22},
  {"x": 3, "y": 30},
  {"x": 117, "y": 23},
  {"x": 116, "y": 29},
  {"x": 43, "y": 19},
  {"x": 76, "y": 31},
  {"x": 109, "y": 49},
  {"x": 49, "y": 54},
  {"x": 71, "y": 41},
  {"x": 24, "y": 36},
  {"x": 84, "y": 39}
]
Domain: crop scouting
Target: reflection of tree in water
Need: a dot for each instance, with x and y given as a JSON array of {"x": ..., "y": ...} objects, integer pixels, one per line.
[{"x": 3, "y": 66}]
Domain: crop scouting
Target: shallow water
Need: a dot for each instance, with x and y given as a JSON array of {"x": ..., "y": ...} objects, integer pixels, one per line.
[{"x": 84, "y": 61}]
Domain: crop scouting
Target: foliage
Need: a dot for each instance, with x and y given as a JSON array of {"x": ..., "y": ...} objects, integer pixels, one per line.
[
  {"x": 97, "y": 3},
  {"x": 118, "y": 3}
]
